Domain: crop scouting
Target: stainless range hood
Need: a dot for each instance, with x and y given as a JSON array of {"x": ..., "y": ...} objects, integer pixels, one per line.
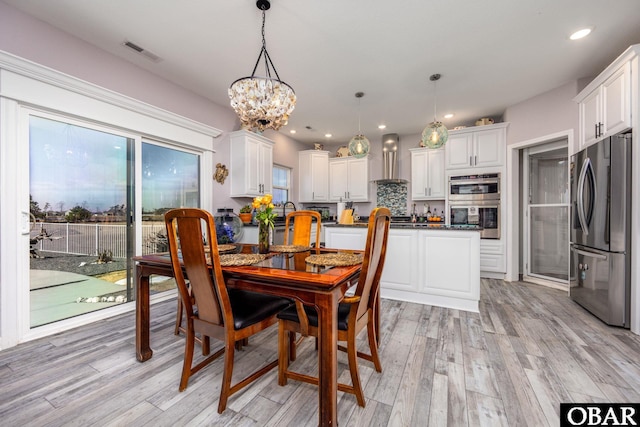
[{"x": 390, "y": 160}]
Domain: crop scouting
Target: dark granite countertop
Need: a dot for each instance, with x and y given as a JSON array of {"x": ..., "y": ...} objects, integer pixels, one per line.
[{"x": 415, "y": 226}]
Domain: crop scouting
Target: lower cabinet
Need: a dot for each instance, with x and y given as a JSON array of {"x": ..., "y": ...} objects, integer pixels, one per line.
[
  {"x": 492, "y": 257},
  {"x": 436, "y": 267}
]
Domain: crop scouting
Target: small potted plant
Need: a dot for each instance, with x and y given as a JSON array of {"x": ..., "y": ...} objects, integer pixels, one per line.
[{"x": 245, "y": 214}]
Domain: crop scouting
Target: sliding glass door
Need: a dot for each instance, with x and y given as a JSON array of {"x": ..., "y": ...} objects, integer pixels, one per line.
[{"x": 82, "y": 191}]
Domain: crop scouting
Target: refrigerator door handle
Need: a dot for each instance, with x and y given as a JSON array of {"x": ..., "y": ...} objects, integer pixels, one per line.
[
  {"x": 580, "y": 207},
  {"x": 590, "y": 254}
]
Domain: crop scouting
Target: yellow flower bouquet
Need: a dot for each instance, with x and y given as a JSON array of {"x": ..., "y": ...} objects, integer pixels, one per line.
[{"x": 265, "y": 216}]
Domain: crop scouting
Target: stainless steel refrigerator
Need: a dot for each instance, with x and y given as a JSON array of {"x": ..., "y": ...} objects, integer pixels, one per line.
[{"x": 600, "y": 279}]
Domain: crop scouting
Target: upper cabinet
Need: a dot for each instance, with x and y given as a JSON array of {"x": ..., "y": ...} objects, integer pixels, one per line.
[
  {"x": 349, "y": 179},
  {"x": 314, "y": 176},
  {"x": 427, "y": 174},
  {"x": 606, "y": 108},
  {"x": 477, "y": 147},
  {"x": 251, "y": 164}
]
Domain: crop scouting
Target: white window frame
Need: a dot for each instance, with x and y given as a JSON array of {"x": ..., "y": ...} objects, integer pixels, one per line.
[
  {"x": 27, "y": 88},
  {"x": 288, "y": 187}
]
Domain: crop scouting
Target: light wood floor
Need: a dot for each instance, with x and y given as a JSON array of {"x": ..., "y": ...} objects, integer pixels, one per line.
[{"x": 528, "y": 349}]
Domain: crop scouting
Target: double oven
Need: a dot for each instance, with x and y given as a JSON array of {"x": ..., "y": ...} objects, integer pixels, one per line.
[{"x": 474, "y": 200}]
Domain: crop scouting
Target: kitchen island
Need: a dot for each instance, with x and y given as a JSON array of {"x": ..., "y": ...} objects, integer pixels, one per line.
[{"x": 427, "y": 264}]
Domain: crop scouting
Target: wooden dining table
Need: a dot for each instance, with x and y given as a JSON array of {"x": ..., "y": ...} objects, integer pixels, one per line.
[{"x": 281, "y": 274}]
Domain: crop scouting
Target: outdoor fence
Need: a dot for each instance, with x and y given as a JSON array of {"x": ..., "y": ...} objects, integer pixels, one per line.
[{"x": 93, "y": 239}]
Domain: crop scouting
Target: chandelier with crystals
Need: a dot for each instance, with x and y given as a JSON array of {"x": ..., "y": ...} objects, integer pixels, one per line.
[
  {"x": 359, "y": 144},
  {"x": 262, "y": 102},
  {"x": 435, "y": 134}
]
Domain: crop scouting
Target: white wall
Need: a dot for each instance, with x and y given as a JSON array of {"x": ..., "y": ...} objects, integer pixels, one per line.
[{"x": 545, "y": 114}]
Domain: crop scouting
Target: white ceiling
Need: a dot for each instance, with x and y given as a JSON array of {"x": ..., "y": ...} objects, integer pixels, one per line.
[{"x": 491, "y": 53}]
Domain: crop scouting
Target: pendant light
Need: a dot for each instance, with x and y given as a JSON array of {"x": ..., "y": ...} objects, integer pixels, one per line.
[
  {"x": 262, "y": 102},
  {"x": 435, "y": 135},
  {"x": 359, "y": 144}
]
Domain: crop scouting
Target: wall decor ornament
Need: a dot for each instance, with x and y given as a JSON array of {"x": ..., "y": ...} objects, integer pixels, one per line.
[{"x": 221, "y": 173}]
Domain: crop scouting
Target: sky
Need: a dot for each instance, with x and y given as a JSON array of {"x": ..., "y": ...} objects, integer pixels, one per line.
[{"x": 76, "y": 166}]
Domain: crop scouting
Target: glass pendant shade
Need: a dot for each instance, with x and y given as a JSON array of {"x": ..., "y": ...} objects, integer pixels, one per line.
[
  {"x": 262, "y": 102},
  {"x": 435, "y": 135},
  {"x": 359, "y": 146}
]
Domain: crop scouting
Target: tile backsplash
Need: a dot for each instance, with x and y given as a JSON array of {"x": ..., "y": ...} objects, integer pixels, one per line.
[{"x": 393, "y": 196}]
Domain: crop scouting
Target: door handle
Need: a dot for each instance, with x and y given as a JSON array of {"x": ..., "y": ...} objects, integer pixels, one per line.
[
  {"x": 470, "y": 160},
  {"x": 581, "y": 179},
  {"x": 590, "y": 255}
]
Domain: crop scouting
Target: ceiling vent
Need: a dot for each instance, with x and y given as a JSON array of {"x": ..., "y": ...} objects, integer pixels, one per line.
[{"x": 141, "y": 51}]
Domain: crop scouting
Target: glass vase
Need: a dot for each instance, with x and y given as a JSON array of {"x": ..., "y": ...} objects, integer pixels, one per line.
[{"x": 263, "y": 238}]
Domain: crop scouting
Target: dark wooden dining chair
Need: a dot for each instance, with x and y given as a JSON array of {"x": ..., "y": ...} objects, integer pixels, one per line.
[
  {"x": 354, "y": 313},
  {"x": 302, "y": 226},
  {"x": 212, "y": 310}
]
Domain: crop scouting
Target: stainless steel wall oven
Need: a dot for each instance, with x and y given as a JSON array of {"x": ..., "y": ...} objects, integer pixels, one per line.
[{"x": 475, "y": 200}]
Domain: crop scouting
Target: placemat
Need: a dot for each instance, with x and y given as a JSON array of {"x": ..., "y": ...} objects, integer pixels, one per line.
[
  {"x": 240, "y": 259},
  {"x": 336, "y": 260},
  {"x": 288, "y": 248},
  {"x": 226, "y": 248},
  {"x": 222, "y": 247}
]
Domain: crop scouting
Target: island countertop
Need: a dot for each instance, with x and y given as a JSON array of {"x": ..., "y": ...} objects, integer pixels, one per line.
[{"x": 412, "y": 225}]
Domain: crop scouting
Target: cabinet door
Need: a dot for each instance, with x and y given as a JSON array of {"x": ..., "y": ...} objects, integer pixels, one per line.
[
  {"x": 616, "y": 104},
  {"x": 314, "y": 176},
  {"x": 358, "y": 180},
  {"x": 590, "y": 117},
  {"x": 419, "y": 174},
  {"x": 338, "y": 180},
  {"x": 436, "y": 174},
  {"x": 265, "y": 168},
  {"x": 402, "y": 272},
  {"x": 458, "y": 151},
  {"x": 489, "y": 148}
]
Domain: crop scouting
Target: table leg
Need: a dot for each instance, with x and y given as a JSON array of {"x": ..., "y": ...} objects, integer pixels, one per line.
[
  {"x": 327, "y": 306},
  {"x": 143, "y": 350}
]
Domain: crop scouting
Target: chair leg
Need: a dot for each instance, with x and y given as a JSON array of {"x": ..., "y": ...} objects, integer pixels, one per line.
[
  {"x": 206, "y": 345},
  {"x": 373, "y": 346},
  {"x": 225, "y": 391},
  {"x": 189, "y": 344},
  {"x": 176, "y": 331},
  {"x": 284, "y": 343},
  {"x": 292, "y": 346},
  {"x": 352, "y": 354}
]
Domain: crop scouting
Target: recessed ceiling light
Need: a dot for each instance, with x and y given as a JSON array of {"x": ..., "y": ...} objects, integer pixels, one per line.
[
  {"x": 292, "y": 131},
  {"x": 448, "y": 116},
  {"x": 382, "y": 126},
  {"x": 580, "y": 34},
  {"x": 327, "y": 135}
]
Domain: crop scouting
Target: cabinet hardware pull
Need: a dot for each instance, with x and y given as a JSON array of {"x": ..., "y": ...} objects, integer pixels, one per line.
[
  {"x": 475, "y": 160},
  {"x": 470, "y": 160},
  {"x": 425, "y": 191}
]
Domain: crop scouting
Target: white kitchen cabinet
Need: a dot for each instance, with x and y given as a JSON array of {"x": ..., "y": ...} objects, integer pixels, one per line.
[
  {"x": 400, "y": 269},
  {"x": 251, "y": 164},
  {"x": 450, "y": 265},
  {"x": 606, "y": 109},
  {"x": 492, "y": 256},
  {"x": 427, "y": 174},
  {"x": 349, "y": 179},
  {"x": 426, "y": 266},
  {"x": 314, "y": 176},
  {"x": 477, "y": 147}
]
